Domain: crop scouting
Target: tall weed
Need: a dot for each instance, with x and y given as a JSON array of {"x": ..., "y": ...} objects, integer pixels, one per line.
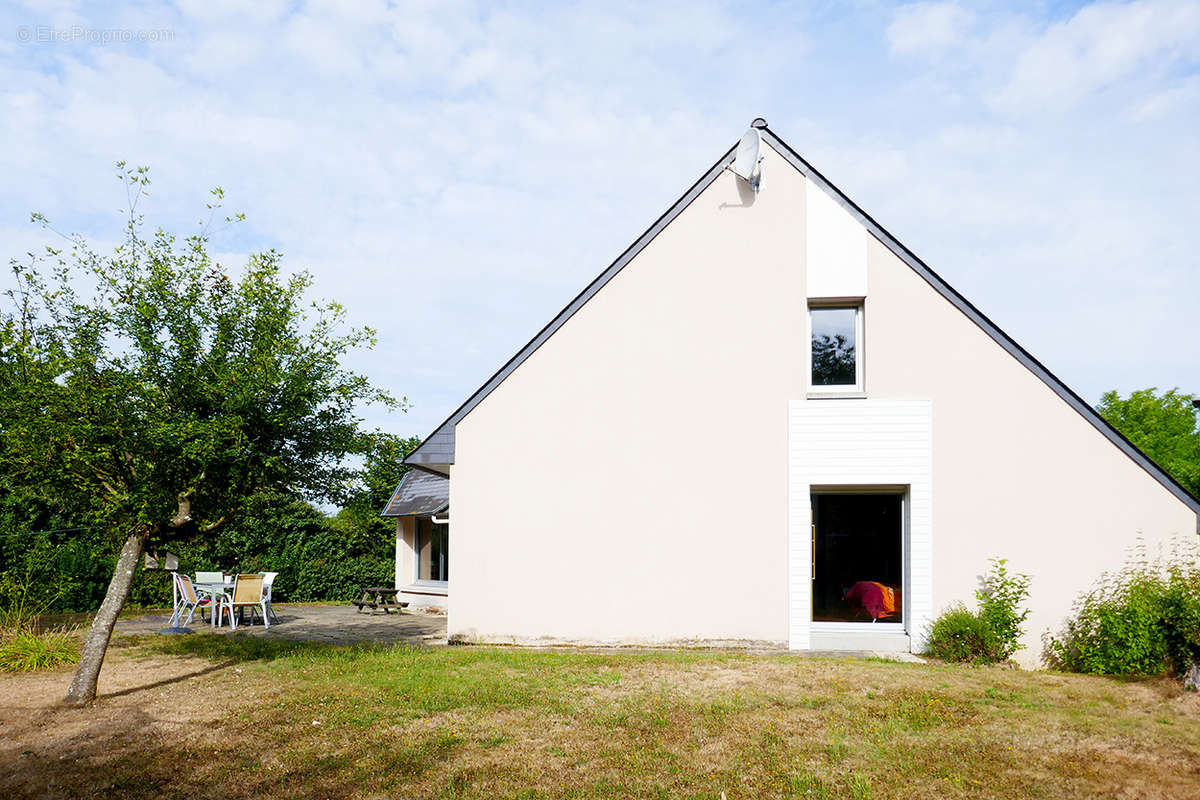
[{"x": 23, "y": 644}]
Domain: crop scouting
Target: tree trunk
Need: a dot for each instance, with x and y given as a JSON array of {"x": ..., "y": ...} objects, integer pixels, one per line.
[
  {"x": 83, "y": 686},
  {"x": 1191, "y": 679}
]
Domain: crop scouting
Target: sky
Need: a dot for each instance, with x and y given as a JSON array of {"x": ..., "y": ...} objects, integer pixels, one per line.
[{"x": 454, "y": 173}]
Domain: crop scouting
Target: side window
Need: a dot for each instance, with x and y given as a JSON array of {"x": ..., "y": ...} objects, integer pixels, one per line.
[{"x": 432, "y": 553}]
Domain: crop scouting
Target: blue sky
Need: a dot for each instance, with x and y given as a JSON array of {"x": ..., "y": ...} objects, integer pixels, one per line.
[{"x": 454, "y": 173}]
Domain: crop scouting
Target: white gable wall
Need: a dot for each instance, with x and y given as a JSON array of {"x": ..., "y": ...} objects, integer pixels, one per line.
[
  {"x": 1018, "y": 473},
  {"x": 629, "y": 481}
]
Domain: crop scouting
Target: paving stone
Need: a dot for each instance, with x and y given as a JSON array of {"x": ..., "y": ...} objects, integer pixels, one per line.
[{"x": 324, "y": 623}]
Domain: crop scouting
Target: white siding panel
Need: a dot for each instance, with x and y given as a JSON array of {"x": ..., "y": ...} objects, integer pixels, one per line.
[
  {"x": 836, "y": 247},
  {"x": 860, "y": 443}
]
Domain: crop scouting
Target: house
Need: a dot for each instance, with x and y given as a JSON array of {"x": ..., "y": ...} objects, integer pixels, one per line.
[
  {"x": 420, "y": 505},
  {"x": 764, "y": 402}
]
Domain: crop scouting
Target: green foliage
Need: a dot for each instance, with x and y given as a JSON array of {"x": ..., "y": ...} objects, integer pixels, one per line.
[
  {"x": 153, "y": 391},
  {"x": 62, "y": 570},
  {"x": 29, "y": 650},
  {"x": 358, "y": 522},
  {"x": 22, "y": 645},
  {"x": 1163, "y": 427},
  {"x": 317, "y": 557},
  {"x": 991, "y": 634},
  {"x": 961, "y": 635},
  {"x": 1142, "y": 620},
  {"x": 1000, "y": 600},
  {"x": 1179, "y": 606},
  {"x": 21, "y": 607}
]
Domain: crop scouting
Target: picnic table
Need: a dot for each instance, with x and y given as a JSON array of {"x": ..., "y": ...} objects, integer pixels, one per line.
[{"x": 376, "y": 597}]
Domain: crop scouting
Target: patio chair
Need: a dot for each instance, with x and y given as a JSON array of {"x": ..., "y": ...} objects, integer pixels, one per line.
[
  {"x": 187, "y": 601},
  {"x": 248, "y": 592},
  {"x": 268, "y": 583}
]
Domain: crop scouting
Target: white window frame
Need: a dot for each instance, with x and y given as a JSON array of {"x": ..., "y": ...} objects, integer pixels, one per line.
[
  {"x": 858, "y": 304},
  {"x": 902, "y": 492},
  {"x": 417, "y": 580}
]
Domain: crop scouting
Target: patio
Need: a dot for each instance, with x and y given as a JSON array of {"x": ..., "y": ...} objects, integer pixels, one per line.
[{"x": 331, "y": 624}]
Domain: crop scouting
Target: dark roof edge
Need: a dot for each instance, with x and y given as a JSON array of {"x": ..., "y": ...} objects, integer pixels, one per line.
[
  {"x": 436, "y": 511},
  {"x": 979, "y": 318},
  {"x": 392, "y": 499},
  {"x": 425, "y": 468},
  {"x": 446, "y": 429}
]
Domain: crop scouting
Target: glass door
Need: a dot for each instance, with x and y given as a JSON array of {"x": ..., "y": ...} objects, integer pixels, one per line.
[{"x": 858, "y": 557}]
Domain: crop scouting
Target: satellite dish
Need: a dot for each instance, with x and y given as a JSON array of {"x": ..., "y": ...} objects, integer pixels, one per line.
[{"x": 746, "y": 164}]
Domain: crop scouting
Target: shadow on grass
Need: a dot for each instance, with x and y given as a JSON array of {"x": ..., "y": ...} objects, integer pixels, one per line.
[
  {"x": 127, "y": 756},
  {"x": 240, "y": 648},
  {"x": 168, "y": 681}
]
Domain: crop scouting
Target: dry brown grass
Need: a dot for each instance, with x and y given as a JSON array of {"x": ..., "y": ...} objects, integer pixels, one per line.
[{"x": 235, "y": 717}]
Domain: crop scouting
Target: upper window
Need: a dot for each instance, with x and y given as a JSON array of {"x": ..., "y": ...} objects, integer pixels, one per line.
[{"x": 836, "y": 353}]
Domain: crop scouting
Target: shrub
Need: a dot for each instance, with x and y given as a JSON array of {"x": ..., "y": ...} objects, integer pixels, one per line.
[
  {"x": 1142, "y": 620},
  {"x": 319, "y": 557},
  {"x": 999, "y": 599},
  {"x": 990, "y": 635},
  {"x": 960, "y": 634},
  {"x": 1179, "y": 603}
]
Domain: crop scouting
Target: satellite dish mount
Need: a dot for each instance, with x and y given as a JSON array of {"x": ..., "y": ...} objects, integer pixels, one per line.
[{"x": 747, "y": 163}]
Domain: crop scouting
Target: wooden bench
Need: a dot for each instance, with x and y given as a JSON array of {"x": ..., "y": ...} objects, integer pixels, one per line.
[{"x": 376, "y": 597}]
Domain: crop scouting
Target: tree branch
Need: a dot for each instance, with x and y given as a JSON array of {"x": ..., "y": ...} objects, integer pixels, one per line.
[
  {"x": 184, "y": 513},
  {"x": 212, "y": 526}
]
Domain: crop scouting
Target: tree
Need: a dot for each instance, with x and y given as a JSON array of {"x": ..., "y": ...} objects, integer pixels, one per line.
[
  {"x": 359, "y": 520},
  {"x": 1162, "y": 426},
  {"x": 153, "y": 391},
  {"x": 832, "y": 360},
  {"x": 381, "y": 471}
]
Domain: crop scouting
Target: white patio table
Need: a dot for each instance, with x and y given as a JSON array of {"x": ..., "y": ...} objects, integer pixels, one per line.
[{"x": 217, "y": 590}]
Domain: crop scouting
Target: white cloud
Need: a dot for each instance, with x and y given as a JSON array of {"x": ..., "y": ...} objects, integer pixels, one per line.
[
  {"x": 1171, "y": 100},
  {"x": 455, "y": 173},
  {"x": 1099, "y": 46},
  {"x": 928, "y": 29}
]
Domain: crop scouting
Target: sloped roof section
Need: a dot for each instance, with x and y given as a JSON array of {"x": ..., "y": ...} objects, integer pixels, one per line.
[
  {"x": 419, "y": 493},
  {"x": 437, "y": 451}
]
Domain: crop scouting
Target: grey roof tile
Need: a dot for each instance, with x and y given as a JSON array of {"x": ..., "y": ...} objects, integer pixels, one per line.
[{"x": 419, "y": 493}]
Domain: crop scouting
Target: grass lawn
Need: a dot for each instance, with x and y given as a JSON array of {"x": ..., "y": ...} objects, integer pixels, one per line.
[{"x": 240, "y": 716}]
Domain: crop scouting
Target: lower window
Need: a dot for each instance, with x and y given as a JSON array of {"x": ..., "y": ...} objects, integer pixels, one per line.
[
  {"x": 432, "y": 550},
  {"x": 858, "y": 557}
]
